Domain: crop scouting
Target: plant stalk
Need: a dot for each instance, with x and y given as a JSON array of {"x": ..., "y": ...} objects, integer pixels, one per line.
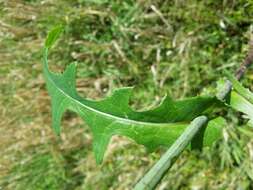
[{"x": 155, "y": 174}]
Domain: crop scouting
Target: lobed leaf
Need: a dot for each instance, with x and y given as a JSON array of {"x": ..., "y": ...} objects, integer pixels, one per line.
[{"x": 113, "y": 115}]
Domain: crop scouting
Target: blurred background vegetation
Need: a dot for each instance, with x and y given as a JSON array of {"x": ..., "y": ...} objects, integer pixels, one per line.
[{"x": 178, "y": 47}]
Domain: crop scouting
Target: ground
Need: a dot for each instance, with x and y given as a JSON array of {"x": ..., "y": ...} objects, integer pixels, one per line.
[{"x": 176, "y": 47}]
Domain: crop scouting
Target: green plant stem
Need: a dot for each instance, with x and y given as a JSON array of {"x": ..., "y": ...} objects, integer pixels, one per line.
[
  {"x": 224, "y": 92},
  {"x": 155, "y": 174}
]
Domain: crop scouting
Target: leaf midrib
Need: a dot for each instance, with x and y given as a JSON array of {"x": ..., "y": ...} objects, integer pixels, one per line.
[{"x": 106, "y": 114}]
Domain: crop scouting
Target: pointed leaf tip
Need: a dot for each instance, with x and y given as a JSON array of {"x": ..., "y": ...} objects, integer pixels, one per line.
[
  {"x": 53, "y": 35},
  {"x": 57, "y": 130},
  {"x": 70, "y": 70},
  {"x": 122, "y": 95}
]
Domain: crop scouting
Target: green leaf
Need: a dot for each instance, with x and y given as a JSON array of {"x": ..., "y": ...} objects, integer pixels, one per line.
[
  {"x": 241, "y": 98},
  {"x": 239, "y": 88},
  {"x": 113, "y": 115},
  {"x": 214, "y": 130},
  {"x": 53, "y": 36},
  {"x": 241, "y": 104}
]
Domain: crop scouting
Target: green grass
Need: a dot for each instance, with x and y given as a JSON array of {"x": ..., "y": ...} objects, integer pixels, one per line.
[{"x": 175, "y": 47}]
